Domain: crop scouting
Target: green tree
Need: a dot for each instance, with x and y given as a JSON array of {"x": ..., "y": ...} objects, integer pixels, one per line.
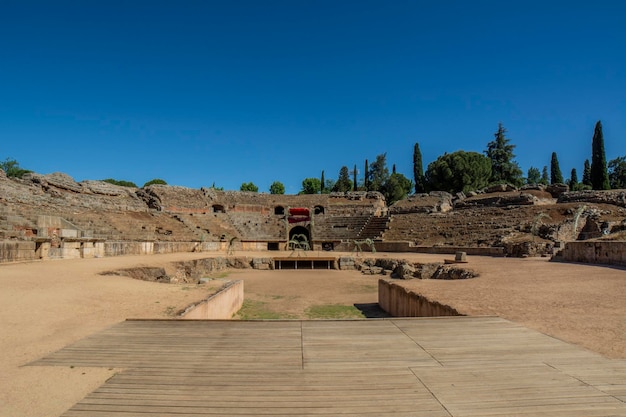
[
  {"x": 533, "y": 176},
  {"x": 556, "y": 177},
  {"x": 573, "y": 180},
  {"x": 617, "y": 173},
  {"x": 418, "y": 170},
  {"x": 157, "y": 181},
  {"x": 458, "y": 171},
  {"x": 366, "y": 181},
  {"x": 587, "y": 173},
  {"x": 355, "y": 178},
  {"x": 396, "y": 188},
  {"x": 599, "y": 174},
  {"x": 277, "y": 187},
  {"x": 12, "y": 168},
  {"x": 249, "y": 186},
  {"x": 500, "y": 152},
  {"x": 545, "y": 178},
  {"x": 343, "y": 184},
  {"x": 329, "y": 186},
  {"x": 121, "y": 183},
  {"x": 322, "y": 183},
  {"x": 310, "y": 186},
  {"x": 378, "y": 173}
]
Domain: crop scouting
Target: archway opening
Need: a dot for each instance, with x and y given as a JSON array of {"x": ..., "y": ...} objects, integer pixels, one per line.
[{"x": 299, "y": 238}]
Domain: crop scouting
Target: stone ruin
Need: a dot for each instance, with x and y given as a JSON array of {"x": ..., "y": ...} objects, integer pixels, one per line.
[{"x": 53, "y": 216}]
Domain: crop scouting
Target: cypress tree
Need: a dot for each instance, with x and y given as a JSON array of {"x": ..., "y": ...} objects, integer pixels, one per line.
[
  {"x": 587, "y": 173},
  {"x": 599, "y": 174},
  {"x": 393, "y": 169},
  {"x": 555, "y": 171},
  {"x": 418, "y": 170},
  {"x": 366, "y": 182},
  {"x": 573, "y": 180},
  {"x": 322, "y": 185}
]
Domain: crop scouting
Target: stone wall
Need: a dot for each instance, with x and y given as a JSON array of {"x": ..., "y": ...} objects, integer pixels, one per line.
[
  {"x": 13, "y": 251},
  {"x": 595, "y": 252},
  {"x": 408, "y": 247},
  {"x": 400, "y": 302}
]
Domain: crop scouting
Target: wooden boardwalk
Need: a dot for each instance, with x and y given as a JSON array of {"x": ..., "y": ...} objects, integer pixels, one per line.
[{"x": 458, "y": 366}]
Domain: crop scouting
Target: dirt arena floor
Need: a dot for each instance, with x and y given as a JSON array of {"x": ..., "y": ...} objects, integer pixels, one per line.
[{"x": 48, "y": 305}]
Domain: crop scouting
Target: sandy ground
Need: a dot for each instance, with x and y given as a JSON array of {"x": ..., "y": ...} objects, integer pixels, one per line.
[{"x": 48, "y": 305}]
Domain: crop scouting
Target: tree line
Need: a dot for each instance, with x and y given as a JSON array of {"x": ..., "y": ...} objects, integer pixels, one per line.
[
  {"x": 454, "y": 172},
  {"x": 469, "y": 171}
]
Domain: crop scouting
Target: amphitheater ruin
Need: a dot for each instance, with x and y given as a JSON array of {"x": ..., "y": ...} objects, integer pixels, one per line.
[
  {"x": 414, "y": 363},
  {"x": 54, "y": 217}
]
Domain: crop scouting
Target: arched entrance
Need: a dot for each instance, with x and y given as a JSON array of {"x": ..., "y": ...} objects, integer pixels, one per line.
[{"x": 299, "y": 238}]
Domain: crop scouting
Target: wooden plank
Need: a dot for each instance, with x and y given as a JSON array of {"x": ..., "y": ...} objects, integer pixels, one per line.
[{"x": 460, "y": 366}]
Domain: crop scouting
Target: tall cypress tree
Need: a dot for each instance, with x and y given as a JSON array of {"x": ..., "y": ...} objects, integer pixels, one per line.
[
  {"x": 322, "y": 181},
  {"x": 556, "y": 177},
  {"x": 587, "y": 173},
  {"x": 418, "y": 170},
  {"x": 599, "y": 174},
  {"x": 354, "y": 185},
  {"x": 366, "y": 182},
  {"x": 573, "y": 180}
]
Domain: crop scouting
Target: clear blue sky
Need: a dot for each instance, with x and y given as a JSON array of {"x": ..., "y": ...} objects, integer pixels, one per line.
[{"x": 226, "y": 92}]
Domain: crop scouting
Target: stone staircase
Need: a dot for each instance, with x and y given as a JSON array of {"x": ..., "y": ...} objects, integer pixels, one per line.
[{"x": 374, "y": 228}]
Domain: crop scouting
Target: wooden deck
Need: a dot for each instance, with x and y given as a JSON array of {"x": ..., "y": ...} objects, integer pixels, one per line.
[{"x": 459, "y": 366}]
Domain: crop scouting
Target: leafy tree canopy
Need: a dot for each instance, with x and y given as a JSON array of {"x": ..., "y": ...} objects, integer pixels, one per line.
[
  {"x": 121, "y": 183},
  {"x": 459, "y": 171},
  {"x": 397, "y": 187},
  {"x": 617, "y": 172},
  {"x": 329, "y": 185},
  {"x": 12, "y": 168},
  {"x": 277, "y": 187},
  {"x": 249, "y": 186},
  {"x": 378, "y": 173},
  {"x": 533, "y": 176},
  {"x": 503, "y": 168},
  {"x": 155, "y": 181},
  {"x": 310, "y": 186},
  {"x": 545, "y": 178}
]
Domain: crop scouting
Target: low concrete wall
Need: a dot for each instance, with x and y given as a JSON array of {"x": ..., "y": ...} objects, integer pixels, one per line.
[
  {"x": 598, "y": 252},
  {"x": 12, "y": 251},
  {"x": 220, "y": 306},
  {"x": 400, "y": 302}
]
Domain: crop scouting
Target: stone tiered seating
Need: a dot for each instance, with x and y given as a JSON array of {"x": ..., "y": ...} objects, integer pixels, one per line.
[
  {"x": 340, "y": 227},
  {"x": 475, "y": 227},
  {"x": 212, "y": 226},
  {"x": 375, "y": 227},
  {"x": 257, "y": 226}
]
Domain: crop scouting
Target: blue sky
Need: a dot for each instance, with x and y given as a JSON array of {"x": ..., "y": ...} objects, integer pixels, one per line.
[{"x": 226, "y": 92}]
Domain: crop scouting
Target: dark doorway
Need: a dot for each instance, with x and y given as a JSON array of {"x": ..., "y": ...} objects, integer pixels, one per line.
[{"x": 299, "y": 238}]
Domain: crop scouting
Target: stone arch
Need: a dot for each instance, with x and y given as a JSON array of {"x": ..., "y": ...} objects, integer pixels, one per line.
[
  {"x": 318, "y": 210},
  {"x": 297, "y": 232},
  {"x": 218, "y": 208}
]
